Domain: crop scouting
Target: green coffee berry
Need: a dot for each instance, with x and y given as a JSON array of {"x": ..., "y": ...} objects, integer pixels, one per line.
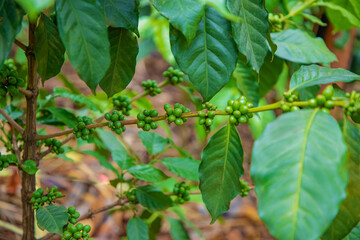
[
  {"x": 174, "y": 76},
  {"x": 151, "y": 88},
  {"x": 122, "y": 104},
  {"x": 80, "y": 131},
  {"x": 146, "y": 121}
]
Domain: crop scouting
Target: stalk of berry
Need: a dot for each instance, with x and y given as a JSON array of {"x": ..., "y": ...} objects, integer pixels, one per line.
[
  {"x": 114, "y": 123},
  {"x": 239, "y": 110},
  {"x": 80, "y": 129},
  {"x": 145, "y": 120},
  {"x": 174, "y": 115}
]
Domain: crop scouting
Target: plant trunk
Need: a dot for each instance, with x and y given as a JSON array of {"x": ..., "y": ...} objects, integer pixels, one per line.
[{"x": 28, "y": 181}]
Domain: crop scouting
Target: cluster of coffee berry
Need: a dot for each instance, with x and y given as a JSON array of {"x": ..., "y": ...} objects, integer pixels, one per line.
[
  {"x": 80, "y": 131},
  {"x": 276, "y": 22},
  {"x": 131, "y": 195},
  {"x": 114, "y": 123},
  {"x": 9, "y": 81},
  {"x": 287, "y": 104},
  {"x": 5, "y": 160},
  {"x": 145, "y": 120},
  {"x": 239, "y": 110},
  {"x": 39, "y": 198},
  {"x": 174, "y": 115},
  {"x": 151, "y": 87},
  {"x": 352, "y": 108},
  {"x": 54, "y": 145},
  {"x": 174, "y": 76},
  {"x": 123, "y": 104},
  {"x": 206, "y": 116},
  {"x": 74, "y": 230},
  {"x": 325, "y": 100},
  {"x": 78, "y": 231},
  {"x": 182, "y": 192},
  {"x": 244, "y": 188}
]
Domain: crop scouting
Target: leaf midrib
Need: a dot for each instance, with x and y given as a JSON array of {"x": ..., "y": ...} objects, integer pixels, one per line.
[
  {"x": 83, "y": 38},
  {"x": 302, "y": 159}
]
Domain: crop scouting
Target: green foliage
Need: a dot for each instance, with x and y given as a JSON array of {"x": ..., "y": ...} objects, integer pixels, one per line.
[
  {"x": 177, "y": 229},
  {"x": 184, "y": 15},
  {"x": 52, "y": 218},
  {"x": 137, "y": 229},
  {"x": 220, "y": 170},
  {"x": 49, "y": 50},
  {"x": 224, "y": 49},
  {"x": 298, "y": 46},
  {"x": 152, "y": 198},
  {"x": 153, "y": 142},
  {"x": 82, "y": 29},
  {"x": 349, "y": 212},
  {"x": 210, "y": 66},
  {"x": 123, "y": 60},
  {"x": 29, "y": 166},
  {"x": 183, "y": 167},
  {"x": 122, "y": 14},
  {"x": 250, "y": 33},
  {"x": 10, "y": 25},
  {"x": 312, "y": 75},
  {"x": 299, "y": 145}
]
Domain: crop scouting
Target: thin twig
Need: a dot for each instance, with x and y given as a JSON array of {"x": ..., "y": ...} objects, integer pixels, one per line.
[
  {"x": 21, "y": 45},
  {"x": 12, "y": 121},
  {"x": 27, "y": 93}
]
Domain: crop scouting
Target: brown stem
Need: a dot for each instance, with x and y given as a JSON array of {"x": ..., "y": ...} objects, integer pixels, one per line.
[
  {"x": 28, "y": 181},
  {"x": 27, "y": 93},
  {"x": 21, "y": 45},
  {"x": 11, "y": 121}
]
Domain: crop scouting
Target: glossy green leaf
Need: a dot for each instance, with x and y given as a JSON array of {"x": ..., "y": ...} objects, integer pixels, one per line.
[
  {"x": 299, "y": 170},
  {"x": 177, "y": 229},
  {"x": 211, "y": 57},
  {"x": 103, "y": 161},
  {"x": 122, "y": 14},
  {"x": 355, "y": 234},
  {"x": 312, "y": 75},
  {"x": 10, "y": 25},
  {"x": 184, "y": 15},
  {"x": 123, "y": 51},
  {"x": 52, "y": 218},
  {"x": 147, "y": 173},
  {"x": 153, "y": 142},
  {"x": 118, "y": 153},
  {"x": 250, "y": 33},
  {"x": 349, "y": 212},
  {"x": 298, "y": 46},
  {"x": 220, "y": 170},
  {"x": 269, "y": 74},
  {"x": 152, "y": 198},
  {"x": 137, "y": 229},
  {"x": 64, "y": 116},
  {"x": 343, "y": 14},
  {"x": 34, "y": 7},
  {"x": 60, "y": 92},
  {"x": 246, "y": 82},
  {"x": 29, "y": 166},
  {"x": 49, "y": 50},
  {"x": 183, "y": 167},
  {"x": 82, "y": 29}
]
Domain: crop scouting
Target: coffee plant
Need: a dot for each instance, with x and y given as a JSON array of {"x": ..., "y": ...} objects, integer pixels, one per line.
[{"x": 226, "y": 55}]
